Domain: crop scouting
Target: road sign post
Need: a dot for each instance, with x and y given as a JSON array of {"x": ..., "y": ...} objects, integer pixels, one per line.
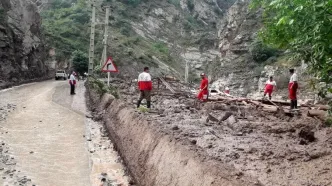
[{"x": 109, "y": 67}]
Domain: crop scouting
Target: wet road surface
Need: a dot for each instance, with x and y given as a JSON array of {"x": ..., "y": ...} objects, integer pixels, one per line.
[{"x": 46, "y": 137}]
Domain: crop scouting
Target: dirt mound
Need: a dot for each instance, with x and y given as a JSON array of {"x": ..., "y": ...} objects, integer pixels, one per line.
[{"x": 277, "y": 149}]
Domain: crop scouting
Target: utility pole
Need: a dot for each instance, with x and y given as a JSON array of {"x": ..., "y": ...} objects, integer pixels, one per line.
[
  {"x": 104, "y": 57},
  {"x": 186, "y": 73},
  {"x": 92, "y": 38}
]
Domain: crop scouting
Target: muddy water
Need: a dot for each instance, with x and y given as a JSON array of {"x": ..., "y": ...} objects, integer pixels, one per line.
[
  {"x": 49, "y": 141},
  {"x": 104, "y": 160}
]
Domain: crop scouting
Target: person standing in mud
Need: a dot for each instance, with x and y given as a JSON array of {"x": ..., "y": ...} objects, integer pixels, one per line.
[
  {"x": 227, "y": 91},
  {"x": 270, "y": 86},
  {"x": 72, "y": 82},
  {"x": 145, "y": 87},
  {"x": 203, "y": 90},
  {"x": 292, "y": 88}
]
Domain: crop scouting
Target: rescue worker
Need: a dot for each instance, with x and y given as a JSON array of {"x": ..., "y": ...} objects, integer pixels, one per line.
[
  {"x": 227, "y": 91},
  {"x": 145, "y": 87},
  {"x": 72, "y": 82},
  {"x": 270, "y": 86},
  {"x": 203, "y": 91},
  {"x": 292, "y": 88}
]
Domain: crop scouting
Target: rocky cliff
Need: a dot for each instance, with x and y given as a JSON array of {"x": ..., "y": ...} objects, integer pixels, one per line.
[
  {"x": 21, "y": 48},
  {"x": 164, "y": 35},
  {"x": 218, "y": 37},
  {"x": 237, "y": 69},
  {"x": 246, "y": 63},
  {"x": 212, "y": 36}
]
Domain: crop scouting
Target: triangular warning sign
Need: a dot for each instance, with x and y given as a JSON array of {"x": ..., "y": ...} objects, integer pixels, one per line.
[{"x": 109, "y": 66}]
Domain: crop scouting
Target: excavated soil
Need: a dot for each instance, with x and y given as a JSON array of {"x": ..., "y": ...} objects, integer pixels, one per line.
[{"x": 182, "y": 142}]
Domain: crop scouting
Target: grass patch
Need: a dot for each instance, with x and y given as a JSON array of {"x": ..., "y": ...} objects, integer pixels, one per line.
[
  {"x": 2, "y": 14},
  {"x": 176, "y": 3},
  {"x": 328, "y": 122},
  {"x": 161, "y": 47},
  {"x": 191, "y": 5},
  {"x": 143, "y": 109},
  {"x": 102, "y": 88}
]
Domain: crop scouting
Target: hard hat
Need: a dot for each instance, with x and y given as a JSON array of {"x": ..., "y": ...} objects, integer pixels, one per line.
[{"x": 202, "y": 74}]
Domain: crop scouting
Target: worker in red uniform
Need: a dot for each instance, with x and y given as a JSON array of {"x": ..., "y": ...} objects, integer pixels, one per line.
[
  {"x": 203, "y": 91},
  {"x": 270, "y": 86},
  {"x": 145, "y": 87},
  {"x": 227, "y": 91},
  {"x": 292, "y": 88}
]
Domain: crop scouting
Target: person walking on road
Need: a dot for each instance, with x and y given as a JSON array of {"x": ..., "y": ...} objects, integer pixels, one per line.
[
  {"x": 203, "y": 91},
  {"x": 72, "y": 82},
  {"x": 145, "y": 87},
  {"x": 292, "y": 88},
  {"x": 270, "y": 86}
]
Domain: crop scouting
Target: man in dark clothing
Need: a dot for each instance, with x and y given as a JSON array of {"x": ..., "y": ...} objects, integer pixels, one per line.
[{"x": 72, "y": 82}]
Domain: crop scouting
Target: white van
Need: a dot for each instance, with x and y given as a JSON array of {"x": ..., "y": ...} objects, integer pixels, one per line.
[{"x": 61, "y": 74}]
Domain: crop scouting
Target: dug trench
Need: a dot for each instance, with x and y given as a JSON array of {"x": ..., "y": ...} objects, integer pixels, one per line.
[{"x": 216, "y": 143}]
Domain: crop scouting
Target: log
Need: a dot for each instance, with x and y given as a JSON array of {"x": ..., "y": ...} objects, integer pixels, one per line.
[
  {"x": 322, "y": 107},
  {"x": 318, "y": 113},
  {"x": 269, "y": 102},
  {"x": 213, "y": 99},
  {"x": 271, "y": 109},
  {"x": 255, "y": 102},
  {"x": 305, "y": 105}
]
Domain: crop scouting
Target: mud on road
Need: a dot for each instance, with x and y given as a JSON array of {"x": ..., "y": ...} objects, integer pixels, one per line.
[
  {"x": 276, "y": 149},
  {"x": 45, "y": 136}
]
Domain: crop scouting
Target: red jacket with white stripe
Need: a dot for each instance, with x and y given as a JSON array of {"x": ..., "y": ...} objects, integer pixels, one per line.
[{"x": 144, "y": 81}]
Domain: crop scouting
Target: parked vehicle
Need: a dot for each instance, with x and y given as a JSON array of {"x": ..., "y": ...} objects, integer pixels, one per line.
[{"x": 61, "y": 74}]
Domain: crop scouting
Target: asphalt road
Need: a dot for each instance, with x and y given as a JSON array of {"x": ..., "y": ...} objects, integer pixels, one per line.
[{"x": 45, "y": 133}]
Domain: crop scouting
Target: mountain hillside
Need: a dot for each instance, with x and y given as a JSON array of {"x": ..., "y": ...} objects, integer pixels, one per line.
[
  {"x": 218, "y": 37},
  {"x": 161, "y": 34}
]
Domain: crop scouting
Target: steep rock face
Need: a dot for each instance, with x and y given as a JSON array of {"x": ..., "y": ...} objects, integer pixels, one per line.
[
  {"x": 237, "y": 69},
  {"x": 21, "y": 48},
  {"x": 166, "y": 35}
]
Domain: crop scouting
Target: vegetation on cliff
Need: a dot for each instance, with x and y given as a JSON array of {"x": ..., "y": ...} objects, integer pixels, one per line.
[
  {"x": 142, "y": 32},
  {"x": 304, "y": 28},
  {"x": 65, "y": 25}
]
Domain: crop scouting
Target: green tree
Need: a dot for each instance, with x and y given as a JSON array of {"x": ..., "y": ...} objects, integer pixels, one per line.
[
  {"x": 65, "y": 25},
  {"x": 80, "y": 61},
  {"x": 302, "y": 27}
]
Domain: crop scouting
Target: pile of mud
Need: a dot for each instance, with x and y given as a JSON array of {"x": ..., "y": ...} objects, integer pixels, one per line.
[{"x": 247, "y": 142}]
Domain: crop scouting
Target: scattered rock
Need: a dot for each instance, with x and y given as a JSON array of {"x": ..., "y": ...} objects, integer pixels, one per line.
[
  {"x": 212, "y": 117},
  {"x": 177, "y": 111},
  {"x": 225, "y": 116},
  {"x": 175, "y": 127},
  {"x": 231, "y": 120},
  {"x": 306, "y": 134},
  {"x": 194, "y": 142},
  {"x": 250, "y": 118}
]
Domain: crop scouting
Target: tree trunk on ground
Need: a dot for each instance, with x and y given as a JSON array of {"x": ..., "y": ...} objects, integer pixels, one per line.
[{"x": 317, "y": 113}]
